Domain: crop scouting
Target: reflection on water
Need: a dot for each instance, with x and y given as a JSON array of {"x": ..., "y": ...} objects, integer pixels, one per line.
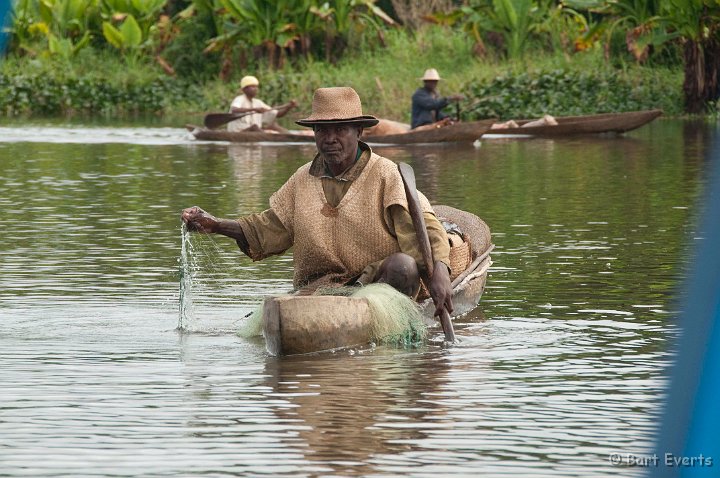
[{"x": 561, "y": 365}]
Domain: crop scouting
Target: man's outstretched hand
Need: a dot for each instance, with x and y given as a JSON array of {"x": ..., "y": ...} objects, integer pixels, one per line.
[
  {"x": 198, "y": 220},
  {"x": 441, "y": 288}
]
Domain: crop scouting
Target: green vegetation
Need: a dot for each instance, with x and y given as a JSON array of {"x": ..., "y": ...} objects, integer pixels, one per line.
[
  {"x": 531, "y": 95},
  {"x": 511, "y": 58}
]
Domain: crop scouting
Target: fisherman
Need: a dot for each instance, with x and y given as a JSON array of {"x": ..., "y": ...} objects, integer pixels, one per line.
[
  {"x": 427, "y": 104},
  {"x": 345, "y": 213},
  {"x": 263, "y": 116}
]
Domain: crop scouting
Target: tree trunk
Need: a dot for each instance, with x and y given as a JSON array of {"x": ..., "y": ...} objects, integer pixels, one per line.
[
  {"x": 712, "y": 67},
  {"x": 702, "y": 63},
  {"x": 227, "y": 65},
  {"x": 693, "y": 86}
]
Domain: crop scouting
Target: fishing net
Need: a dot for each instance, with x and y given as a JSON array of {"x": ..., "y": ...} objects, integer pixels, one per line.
[
  {"x": 253, "y": 326},
  {"x": 397, "y": 319}
]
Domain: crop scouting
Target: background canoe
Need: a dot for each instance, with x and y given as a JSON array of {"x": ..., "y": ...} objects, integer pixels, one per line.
[
  {"x": 458, "y": 132},
  {"x": 205, "y": 134},
  {"x": 298, "y": 324},
  {"x": 590, "y": 124},
  {"x": 454, "y": 133}
]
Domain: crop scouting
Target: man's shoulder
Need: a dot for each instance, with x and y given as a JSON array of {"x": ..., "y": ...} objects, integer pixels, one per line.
[
  {"x": 299, "y": 173},
  {"x": 257, "y": 102},
  {"x": 303, "y": 169},
  {"x": 291, "y": 185},
  {"x": 239, "y": 100},
  {"x": 384, "y": 166},
  {"x": 381, "y": 159}
]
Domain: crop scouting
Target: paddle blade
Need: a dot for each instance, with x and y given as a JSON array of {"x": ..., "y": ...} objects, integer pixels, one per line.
[
  {"x": 408, "y": 177},
  {"x": 215, "y": 120}
]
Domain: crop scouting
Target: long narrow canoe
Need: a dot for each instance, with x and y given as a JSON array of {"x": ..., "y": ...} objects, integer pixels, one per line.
[
  {"x": 299, "y": 324},
  {"x": 589, "y": 124},
  {"x": 458, "y": 132},
  {"x": 205, "y": 134},
  {"x": 454, "y": 133}
]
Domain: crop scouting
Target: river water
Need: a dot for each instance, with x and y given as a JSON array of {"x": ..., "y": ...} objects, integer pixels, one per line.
[{"x": 563, "y": 363}]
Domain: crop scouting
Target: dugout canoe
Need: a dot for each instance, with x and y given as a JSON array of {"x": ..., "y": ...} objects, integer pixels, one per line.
[
  {"x": 301, "y": 324},
  {"x": 204, "y": 134},
  {"x": 455, "y": 133},
  {"x": 466, "y": 132},
  {"x": 588, "y": 124}
]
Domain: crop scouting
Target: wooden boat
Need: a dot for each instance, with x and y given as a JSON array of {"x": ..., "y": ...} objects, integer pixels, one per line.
[
  {"x": 458, "y": 132},
  {"x": 454, "y": 133},
  {"x": 589, "y": 124},
  {"x": 299, "y": 324},
  {"x": 205, "y": 134}
]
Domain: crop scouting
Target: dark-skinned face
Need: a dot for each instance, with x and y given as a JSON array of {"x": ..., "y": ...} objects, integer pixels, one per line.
[
  {"x": 250, "y": 91},
  {"x": 337, "y": 143},
  {"x": 431, "y": 84}
]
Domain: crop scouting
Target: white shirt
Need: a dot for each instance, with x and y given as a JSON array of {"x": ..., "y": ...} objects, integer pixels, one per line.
[{"x": 258, "y": 119}]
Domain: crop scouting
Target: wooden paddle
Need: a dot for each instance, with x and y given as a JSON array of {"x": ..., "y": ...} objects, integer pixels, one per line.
[
  {"x": 408, "y": 176},
  {"x": 215, "y": 120}
]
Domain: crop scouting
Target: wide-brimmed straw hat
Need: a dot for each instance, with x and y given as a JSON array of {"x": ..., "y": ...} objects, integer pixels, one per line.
[
  {"x": 248, "y": 81},
  {"x": 340, "y": 104},
  {"x": 431, "y": 74}
]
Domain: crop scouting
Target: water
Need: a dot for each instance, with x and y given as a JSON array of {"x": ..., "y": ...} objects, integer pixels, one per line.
[
  {"x": 563, "y": 363},
  {"x": 187, "y": 268}
]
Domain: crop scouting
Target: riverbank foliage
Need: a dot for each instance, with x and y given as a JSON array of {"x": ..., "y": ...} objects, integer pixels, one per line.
[{"x": 511, "y": 58}]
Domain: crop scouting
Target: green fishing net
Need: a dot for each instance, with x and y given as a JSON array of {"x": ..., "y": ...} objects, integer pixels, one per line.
[{"x": 397, "y": 319}]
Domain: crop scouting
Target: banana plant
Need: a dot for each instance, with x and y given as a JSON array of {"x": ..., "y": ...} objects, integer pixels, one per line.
[
  {"x": 140, "y": 9},
  {"x": 53, "y": 27},
  {"x": 66, "y": 48},
  {"x": 513, "y": 20},
  {"x": 128, "y": 38},
  {"x": 640, "y": 21},
  {"x": 144, "y": 12},
  {"x": 68, "y": 18},
  {"x": 697, "y": 24},
  {"x": 343, "y": 18},
  {"x": 262, "y": 25},
  {"x": 26, "y": 26},
  {"x": 307, "y": 24}
]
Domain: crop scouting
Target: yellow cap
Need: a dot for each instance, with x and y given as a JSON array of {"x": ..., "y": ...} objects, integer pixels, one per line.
[{"x": 248, "y": 81}]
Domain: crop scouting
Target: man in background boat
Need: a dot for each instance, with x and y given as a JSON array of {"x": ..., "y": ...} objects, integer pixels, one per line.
[
  {"x": 427, "y": 104},
  {"x": 345, "y": 213},
  {"x": 263, "y": 116}
]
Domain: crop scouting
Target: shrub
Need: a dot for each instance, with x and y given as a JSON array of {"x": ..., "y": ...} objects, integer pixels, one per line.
[{"x": 563, "y": 93}]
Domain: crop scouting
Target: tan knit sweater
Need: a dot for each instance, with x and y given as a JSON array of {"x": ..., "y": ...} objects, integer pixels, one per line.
[{"x": 336, "y": 243}]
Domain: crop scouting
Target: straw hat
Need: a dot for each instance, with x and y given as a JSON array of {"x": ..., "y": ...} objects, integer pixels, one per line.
[
  {"x": 431, "y": 74},
  {"x": 340, "y": 104},
  {"x": 249, "y": 81}
]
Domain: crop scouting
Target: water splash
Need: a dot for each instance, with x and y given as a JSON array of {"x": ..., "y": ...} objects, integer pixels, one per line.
[{"x": 188, "y": 268}]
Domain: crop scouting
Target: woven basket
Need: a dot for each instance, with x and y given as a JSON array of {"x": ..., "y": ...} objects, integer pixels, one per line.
[
  {"x": 460, "y": 258},
  {"x": 460, "y": 254}
]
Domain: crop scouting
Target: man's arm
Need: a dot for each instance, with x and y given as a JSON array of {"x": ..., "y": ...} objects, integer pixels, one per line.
[
  {"x": 426, "y": 101},
  {"x": 257, "y": 235},
  {"x": 439, "y": 286},
  {"x": 237, "y": 106},
  {"x": 247, "y": 110},
  {"x": 282, "y": 110}
]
